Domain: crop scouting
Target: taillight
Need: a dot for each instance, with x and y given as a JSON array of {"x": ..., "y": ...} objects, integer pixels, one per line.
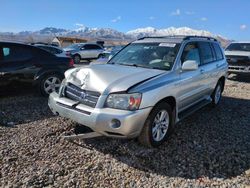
[{"x": 71, "y": 63}]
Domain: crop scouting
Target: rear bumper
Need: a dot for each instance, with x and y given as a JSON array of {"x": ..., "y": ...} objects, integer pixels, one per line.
[
  {"x": 100, "y": 119},
  {"x": 239, "y": 69}
]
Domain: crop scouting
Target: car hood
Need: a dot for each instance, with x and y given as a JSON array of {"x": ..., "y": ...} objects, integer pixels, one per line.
[
  {"x": 237, "y": 53},
  {"x": 106, "y": 78}
]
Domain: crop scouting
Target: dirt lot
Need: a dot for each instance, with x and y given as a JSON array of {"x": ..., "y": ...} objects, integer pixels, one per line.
[{"x": 210, "y": 148}]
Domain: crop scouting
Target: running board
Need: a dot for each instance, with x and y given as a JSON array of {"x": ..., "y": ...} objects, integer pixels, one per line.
[
  {"x": 81, "y": 136},
  {"x": 193, "y": 109}
]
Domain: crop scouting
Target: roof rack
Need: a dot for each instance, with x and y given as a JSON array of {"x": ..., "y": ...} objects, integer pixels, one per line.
[
  {"x": 199, "y": 37},
  {"x": 184, "y": 37}
]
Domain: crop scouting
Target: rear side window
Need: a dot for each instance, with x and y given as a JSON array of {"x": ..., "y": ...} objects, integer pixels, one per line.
[
  {"x": 15, "y": 53},
  {"x": 218, "y": 52},
  {"x": 92, "y": 47},
  {"x": 206, "y": 53}
]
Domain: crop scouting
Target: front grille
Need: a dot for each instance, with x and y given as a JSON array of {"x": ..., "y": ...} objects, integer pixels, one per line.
[
  {"x": 238, "y": 60},
  {"x": 88, "y": 98}
]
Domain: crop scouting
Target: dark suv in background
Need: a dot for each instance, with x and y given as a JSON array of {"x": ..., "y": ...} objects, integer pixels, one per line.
[{"x": 26, "y": 63}]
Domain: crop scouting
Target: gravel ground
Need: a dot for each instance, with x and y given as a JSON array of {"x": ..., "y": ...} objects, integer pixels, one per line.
[{"x": 211, "y": 148}]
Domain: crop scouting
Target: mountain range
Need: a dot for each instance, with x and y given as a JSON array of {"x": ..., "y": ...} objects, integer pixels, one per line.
[{"x": 107, "y": 33}]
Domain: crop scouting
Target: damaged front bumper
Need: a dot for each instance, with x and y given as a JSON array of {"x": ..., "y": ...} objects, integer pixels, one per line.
[{"x": 105, "y": 121}]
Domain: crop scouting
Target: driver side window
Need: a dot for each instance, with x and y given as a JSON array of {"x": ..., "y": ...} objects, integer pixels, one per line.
[{"x": 191, "y": 52}]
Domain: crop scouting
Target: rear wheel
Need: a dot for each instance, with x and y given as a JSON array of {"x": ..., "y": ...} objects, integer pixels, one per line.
[
  {"x": 49, "y": 84},
  {"x": 77, "y": 59},
  {"x": 158, "y": 126},
  {"x": 100, "y": 56},
  {"x": 216, "y": 96}
]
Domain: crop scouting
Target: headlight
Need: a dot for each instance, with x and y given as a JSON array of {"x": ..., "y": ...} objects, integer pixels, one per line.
[{"x": 124, "y": 101}]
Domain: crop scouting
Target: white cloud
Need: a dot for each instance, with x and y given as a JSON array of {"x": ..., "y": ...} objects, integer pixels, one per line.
[
  {"x": 79, "y": 25},
  {"x": 204, "y": 19},
  {"x": 151, "y": 17},
  {"x": 243, "y": 27},
  {"x": 177, "y": 12},
  {"x": 189, "y": 13},
  {"x": 118, "y": 18}
]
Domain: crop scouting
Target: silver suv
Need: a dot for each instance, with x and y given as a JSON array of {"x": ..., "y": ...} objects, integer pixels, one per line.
[
  {"x": 145, "y": 89},
  {"x": 84, "y": 51}
]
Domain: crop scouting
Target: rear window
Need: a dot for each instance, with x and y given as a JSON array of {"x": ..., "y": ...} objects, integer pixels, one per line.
[
  {"x": 239, "y": 47},
  {"x": 206, "y": 53},
  {"x": 218, "y": 52}
]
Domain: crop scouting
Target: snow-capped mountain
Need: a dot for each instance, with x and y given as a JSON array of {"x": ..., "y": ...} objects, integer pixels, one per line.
[
  {"x": 107, "y": 33},
  {"x": 150, "y": 31}
]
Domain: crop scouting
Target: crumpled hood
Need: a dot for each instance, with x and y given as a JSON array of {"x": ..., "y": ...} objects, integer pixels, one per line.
[
  {"x": 237, "y": 53},
  {"x": 107, "y": 78}
]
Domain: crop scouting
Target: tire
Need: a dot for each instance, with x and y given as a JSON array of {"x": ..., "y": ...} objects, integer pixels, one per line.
[
  {"x": 77, "y": 59},
  {"x": 217, "y": 93},
  {"x": 49, "y": 84},
  {"x": 100, "y": 56},
  {"x": 148, "y": 137}
]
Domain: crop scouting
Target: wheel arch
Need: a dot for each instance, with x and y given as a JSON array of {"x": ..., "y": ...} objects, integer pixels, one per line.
[
  {"x": 222, "y": 80},
  {"x": 44, "y": 73},
  {"x": 170, "y": 100}
]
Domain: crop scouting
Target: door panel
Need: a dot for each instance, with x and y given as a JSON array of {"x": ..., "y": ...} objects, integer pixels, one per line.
[
  {"x": 190, "y": 81},
  {"x": 15, "y": 62}
]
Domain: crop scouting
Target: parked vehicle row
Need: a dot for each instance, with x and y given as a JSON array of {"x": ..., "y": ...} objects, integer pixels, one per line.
[{"x": 145, "y": 89}]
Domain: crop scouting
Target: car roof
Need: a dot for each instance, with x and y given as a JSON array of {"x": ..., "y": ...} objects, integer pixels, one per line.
[
  {"x": 174, "y": 39},
  {"x": 44, "y": 45},
  {"x": 241, "y": 42}
]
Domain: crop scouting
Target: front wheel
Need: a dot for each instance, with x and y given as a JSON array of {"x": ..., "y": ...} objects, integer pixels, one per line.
[
  {"x": 158, "y": 126},
  {"x": 49, "y": 84}
]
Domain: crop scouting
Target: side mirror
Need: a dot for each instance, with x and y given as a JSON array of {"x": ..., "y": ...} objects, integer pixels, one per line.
[{"x": 190, "y": 65}]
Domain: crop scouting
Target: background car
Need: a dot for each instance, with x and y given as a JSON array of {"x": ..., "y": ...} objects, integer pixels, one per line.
[
  {"x": 27, "y": 63},
  {"x": 238, "y": 57},
  {"x": 87, "y": 51},
  {"x": 54, "y": 50},
  {"x": 108, "y": 54}
]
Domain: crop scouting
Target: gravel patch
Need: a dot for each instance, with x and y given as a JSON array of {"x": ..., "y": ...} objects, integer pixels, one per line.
[{"x": 211, "y": 148}]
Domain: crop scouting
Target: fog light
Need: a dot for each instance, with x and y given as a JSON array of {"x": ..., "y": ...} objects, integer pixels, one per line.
[{"x": 115, "y": 123}]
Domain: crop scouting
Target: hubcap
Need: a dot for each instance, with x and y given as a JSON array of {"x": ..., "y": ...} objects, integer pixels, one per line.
[
  {"x": 52, "y": 84},
  {"x": 77, "y": 59},
  {"x": 160, "y": 125},
  {"x": 217, "y": 95}
]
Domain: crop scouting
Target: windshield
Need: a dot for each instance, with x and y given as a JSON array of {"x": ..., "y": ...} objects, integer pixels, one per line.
[
  {"x": 239, "y": 47},
  {"x": 148, "y": 55}
]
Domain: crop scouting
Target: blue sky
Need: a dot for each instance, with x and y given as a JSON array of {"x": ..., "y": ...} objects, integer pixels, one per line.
[{"x": 229, "y": 18}]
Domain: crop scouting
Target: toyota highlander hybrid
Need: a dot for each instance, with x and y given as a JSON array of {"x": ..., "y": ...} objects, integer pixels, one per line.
[{"x": 145, "y": 89}]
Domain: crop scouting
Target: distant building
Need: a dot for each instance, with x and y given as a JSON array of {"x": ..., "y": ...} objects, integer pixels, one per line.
[{"x": 66, "y": 41}]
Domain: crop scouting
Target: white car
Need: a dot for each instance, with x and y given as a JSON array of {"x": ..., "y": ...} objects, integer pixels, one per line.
[{"x": 84, "y": 51}]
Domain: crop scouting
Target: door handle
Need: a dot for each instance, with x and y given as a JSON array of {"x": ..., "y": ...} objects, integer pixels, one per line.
[
  {"x": 217, "y": 65},
  {"x": 202, "y": 71}
]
